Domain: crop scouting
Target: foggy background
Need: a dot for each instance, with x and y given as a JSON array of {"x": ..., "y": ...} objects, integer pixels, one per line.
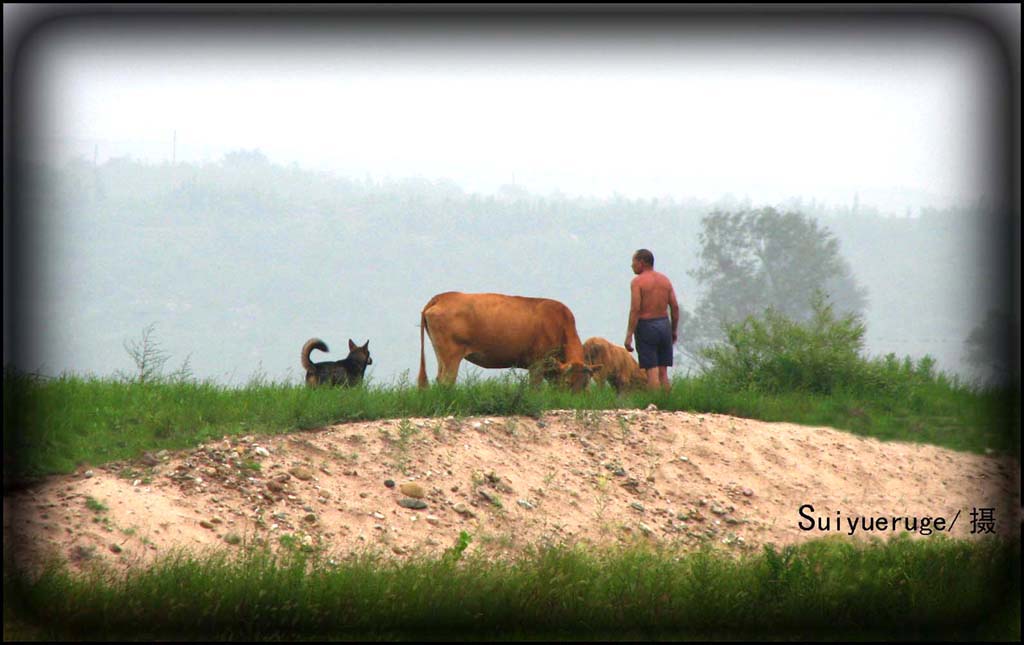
[{"x": 246, "y": 186}]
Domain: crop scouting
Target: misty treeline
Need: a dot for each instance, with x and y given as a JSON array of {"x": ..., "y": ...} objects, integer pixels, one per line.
[
  {"x": 754, "y": 260},
  {"x": 260, "y": 256}
]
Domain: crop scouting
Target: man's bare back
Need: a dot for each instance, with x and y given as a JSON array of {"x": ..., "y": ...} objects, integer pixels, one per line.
[{"x": 656, "y": 294}]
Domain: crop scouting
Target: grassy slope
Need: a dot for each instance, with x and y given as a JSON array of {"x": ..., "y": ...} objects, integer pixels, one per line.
[{"x": 55, "y": 425}]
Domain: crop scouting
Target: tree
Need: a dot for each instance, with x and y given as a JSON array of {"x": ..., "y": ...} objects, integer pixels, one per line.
[
  {"x": 993, "y": 347},
  {"x": 753, "y": 260}
]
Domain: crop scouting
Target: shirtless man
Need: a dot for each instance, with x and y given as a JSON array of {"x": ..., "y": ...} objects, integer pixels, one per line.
[{"x": 651, "y": 294}]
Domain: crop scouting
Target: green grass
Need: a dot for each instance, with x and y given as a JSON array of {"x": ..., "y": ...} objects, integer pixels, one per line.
[
  {"x": 827, "y": 589},
  {"x": 95, "y": 505},
  {"x": 945, "y": 415},
  {"x": 55, "y": 425}
]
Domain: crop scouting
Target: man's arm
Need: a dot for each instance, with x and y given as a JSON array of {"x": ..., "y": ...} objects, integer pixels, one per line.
[
  {"x": 634, "y": 313},
  {"x": 673, "y": 306}
]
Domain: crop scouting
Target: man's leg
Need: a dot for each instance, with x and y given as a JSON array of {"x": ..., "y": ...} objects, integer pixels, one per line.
[
  {"x": 652, "y": 377},
  {"x": 663, "y": 377}
]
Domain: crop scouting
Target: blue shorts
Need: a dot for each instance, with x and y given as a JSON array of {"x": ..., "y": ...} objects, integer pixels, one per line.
[{"x": 654, "y": 342}]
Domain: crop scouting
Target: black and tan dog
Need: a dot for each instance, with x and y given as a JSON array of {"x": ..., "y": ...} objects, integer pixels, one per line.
[{"x": 344, "y": 372}]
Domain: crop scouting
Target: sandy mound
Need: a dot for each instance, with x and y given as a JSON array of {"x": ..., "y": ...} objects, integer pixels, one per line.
[{"x": 594, "y": 476}]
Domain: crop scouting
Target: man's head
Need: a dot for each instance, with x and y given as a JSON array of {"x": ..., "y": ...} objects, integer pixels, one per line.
[{"x": 642, "y": 259}]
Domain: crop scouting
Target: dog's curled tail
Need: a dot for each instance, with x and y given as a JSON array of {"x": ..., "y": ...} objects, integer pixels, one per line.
[
  {"x": 422, "y": 380},
  {"x": 307, "y": 349}
]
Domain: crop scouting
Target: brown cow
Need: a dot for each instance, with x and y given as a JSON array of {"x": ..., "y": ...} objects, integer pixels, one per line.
[
  {"x": 494, "y": 331},
  {"x": 617, "y": 366}
]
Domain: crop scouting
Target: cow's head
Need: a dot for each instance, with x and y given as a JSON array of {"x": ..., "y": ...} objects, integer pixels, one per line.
[{"x": 577, "y": 375}]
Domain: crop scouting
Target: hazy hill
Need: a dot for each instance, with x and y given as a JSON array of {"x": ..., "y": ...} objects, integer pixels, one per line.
[{"x": 239, "y": 262}]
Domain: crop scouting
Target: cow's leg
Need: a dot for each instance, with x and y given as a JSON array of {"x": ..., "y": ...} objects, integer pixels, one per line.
[
  {"x": 448, "y": 371},
  {"x": 542, "y": 371},
  {"x": 536, "y": 376},
  {"x": 449, "y": 356},
  {"x": 614, "y": 381}
]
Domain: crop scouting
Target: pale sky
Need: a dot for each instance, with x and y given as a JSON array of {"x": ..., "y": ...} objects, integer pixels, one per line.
[{"x": 645, "y": 114}]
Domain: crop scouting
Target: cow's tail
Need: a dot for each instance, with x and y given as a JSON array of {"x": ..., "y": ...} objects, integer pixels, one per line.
[
  {"x": 307, "y": 349},
  {"x": 422, "y": 380}
]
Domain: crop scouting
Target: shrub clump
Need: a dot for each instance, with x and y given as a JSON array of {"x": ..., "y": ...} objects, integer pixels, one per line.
[{"x": 774, "y": 354}]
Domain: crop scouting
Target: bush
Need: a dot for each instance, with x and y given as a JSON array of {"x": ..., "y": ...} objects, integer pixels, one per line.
[{"x": 774, "y": 354}]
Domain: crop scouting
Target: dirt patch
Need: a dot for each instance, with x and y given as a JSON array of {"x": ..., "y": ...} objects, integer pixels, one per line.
[{"x": 408, "y": 487}]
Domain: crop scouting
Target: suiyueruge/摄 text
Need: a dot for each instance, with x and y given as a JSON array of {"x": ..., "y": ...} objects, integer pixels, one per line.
[{"x": 882, "y": 523}]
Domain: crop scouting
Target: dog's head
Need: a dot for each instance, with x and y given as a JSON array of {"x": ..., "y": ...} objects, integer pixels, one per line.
[{"x": 360, "y": 353}]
